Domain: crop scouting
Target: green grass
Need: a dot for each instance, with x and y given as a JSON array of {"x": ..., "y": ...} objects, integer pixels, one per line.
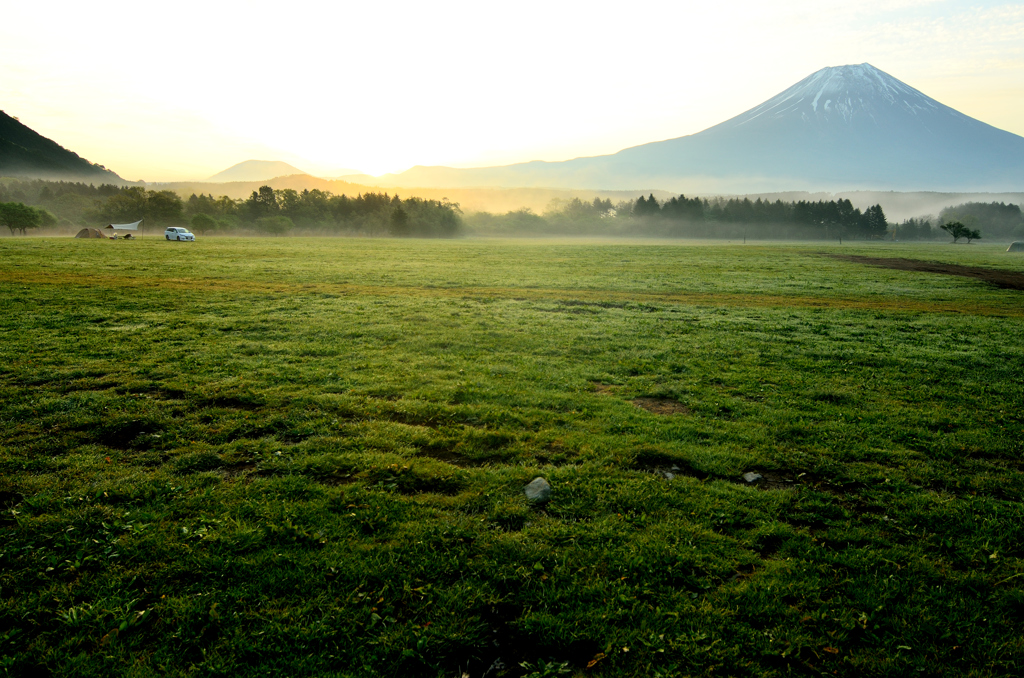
[{"x": 306, "y": 457}]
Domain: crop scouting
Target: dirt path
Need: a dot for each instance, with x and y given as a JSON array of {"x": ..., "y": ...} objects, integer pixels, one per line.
[{"x": 1010, "y": 280}]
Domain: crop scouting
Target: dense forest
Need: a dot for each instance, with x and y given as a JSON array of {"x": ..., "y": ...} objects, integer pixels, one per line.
[{"x": 315, "y": 212}]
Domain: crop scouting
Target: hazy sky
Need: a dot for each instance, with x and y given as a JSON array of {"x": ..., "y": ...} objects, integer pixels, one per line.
[{"x": 166, "y": 91}]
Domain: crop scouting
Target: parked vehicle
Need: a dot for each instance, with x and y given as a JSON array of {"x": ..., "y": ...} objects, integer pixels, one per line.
[{"x": 179, "y": 233}]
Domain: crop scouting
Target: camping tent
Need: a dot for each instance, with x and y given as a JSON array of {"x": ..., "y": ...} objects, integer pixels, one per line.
[
  {"x": 1016, "y": 247},
  {"x": 90, "y": 233}
]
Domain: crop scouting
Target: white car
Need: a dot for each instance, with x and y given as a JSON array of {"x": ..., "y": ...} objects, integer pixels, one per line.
[{"x": 179, "y": 234}]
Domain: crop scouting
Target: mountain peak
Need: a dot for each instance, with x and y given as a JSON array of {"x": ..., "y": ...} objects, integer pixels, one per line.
[
  {"x": 845, "y": 95},
  {"x": 256, "y": 170}
]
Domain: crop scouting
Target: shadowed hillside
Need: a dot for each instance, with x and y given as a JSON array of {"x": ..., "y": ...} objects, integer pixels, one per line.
[{"x": 24, "y": 152}]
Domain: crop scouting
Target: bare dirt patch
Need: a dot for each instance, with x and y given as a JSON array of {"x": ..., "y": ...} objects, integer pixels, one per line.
[
  {"x": 654, "y": 405},
  {"x": 660, "y": 405},
  {"x": 1010, "y": 280}
]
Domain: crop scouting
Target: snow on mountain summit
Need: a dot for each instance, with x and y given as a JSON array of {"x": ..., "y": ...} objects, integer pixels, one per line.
[
  {"x": 842, "y": 94},
  {"x": 845, "y": 126}
]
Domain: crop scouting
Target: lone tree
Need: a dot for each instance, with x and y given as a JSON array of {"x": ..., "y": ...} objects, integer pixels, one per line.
[
  {"x": 19, "y": 216},
  {"x": 958, "y": 230}
]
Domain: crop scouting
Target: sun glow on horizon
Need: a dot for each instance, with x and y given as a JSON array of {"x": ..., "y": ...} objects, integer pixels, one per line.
[{"x": 463, "y": 84}]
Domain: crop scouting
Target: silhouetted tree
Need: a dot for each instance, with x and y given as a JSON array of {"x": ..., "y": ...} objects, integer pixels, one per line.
[
  {"x": 875, "y": 223},
  {"x": 959, "y": 230},
  {"x": 19, "y": 217},
  {"x": 262, "y": 203},
  {"x": 645, "y": 208}
]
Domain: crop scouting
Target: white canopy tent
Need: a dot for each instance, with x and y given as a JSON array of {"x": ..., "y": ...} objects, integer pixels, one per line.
[{"x": 134, "y": 226}]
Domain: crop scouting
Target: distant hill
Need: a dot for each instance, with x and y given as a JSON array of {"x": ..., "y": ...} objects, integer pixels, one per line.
[
  {"x": 841, "y": 128},
  {"x": 255, "y": 170},
  {"x": 265, "y": 170},
  {"x": 25, "y": 153}
]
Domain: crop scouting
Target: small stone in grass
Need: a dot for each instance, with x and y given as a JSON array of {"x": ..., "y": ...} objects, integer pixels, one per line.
[
  {"x": 751, "y": 477},
  {"x": 538, "y": 491}
]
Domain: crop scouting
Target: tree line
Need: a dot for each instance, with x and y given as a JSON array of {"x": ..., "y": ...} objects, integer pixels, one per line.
[
  {"x": 736, "y": 218},
  {"x": 693, "y": 217},
  {"x": 278, "y": 212},
  {"x": 267, "y": 211}
]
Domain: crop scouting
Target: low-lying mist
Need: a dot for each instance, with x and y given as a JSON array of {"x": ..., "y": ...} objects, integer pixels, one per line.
[{"x": 266, "y": 210}]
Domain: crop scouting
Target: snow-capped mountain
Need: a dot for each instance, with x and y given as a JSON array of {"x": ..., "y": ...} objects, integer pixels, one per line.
[
  {"x": 847, "y": 95},
  {"x": 841, "y": 128}
]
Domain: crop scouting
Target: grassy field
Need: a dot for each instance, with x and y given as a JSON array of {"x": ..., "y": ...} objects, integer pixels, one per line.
[{"x": 289, "y": 457}]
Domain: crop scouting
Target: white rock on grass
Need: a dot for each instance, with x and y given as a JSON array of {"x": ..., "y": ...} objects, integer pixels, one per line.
[
  {"x": 538, "y": 491},
  {"x": 751, "y": 477}
]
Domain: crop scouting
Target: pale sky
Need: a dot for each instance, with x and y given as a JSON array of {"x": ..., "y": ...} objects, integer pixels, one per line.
[{"x": 180, "y": 91}]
